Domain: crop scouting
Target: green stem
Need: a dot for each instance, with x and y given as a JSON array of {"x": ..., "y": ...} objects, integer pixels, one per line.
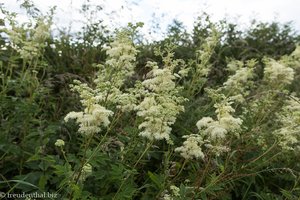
[
  {"x": 182, "y": 167},
  {"x": 136, "y": 163}
]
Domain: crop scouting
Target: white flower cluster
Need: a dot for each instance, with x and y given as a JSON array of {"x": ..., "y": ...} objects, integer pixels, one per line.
[
  {"x": 211, "y": 133},
  {"x": 87, "y": 94},
  {"x": 278, "y": 74},
  {"x": 296, "y": 52},
  {"x": 292, "y": 60},
  {"x": 174, "y": 190},
  {"x": 191, "y": 148},
  {"x": 91, "y": 119},
  {"x": 118, "y": 68},
  {"x": 30, "y": 42},
  {"x": 218, "y": 129},
  {"x": 161, "y": 104},
  {"x": 120, "y": 62},
  {"x": 225, "y": 119},
  {"x": 202, "y": 63},
  {"x": 289, "y": 134},
  {"x": 110, "y": 78},
  {"x": 86, "y": 171},
  {"x": 204, "y": 55},
  {"x": 237, "y": 83},
  {"x": 167, "y": 197},
  {"x": 59, "y": 143}
]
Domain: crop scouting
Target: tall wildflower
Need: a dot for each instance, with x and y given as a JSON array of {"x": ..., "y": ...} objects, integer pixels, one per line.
[
  {"x": 238, "y": 84},
  {"x": 202, "y": 63},
  {"x": 118, "y": 68},
  {"x": 29, "y": 42},
  {"x": 161, "y": 103},
  {"x": 292, "y": 60},
  {"x": 91, "y": 119},
  {"x": 120, "y": 62},
  {"x": 211, "y": 133},
  {"x": 192, "y": 147},
  {"x": 289, "y": 133},
  {"x": 110, "y": 78},
  {"x": 277, "y": 74}
]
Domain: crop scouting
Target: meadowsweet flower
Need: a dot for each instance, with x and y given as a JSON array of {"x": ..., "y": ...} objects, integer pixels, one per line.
[
  {"x": 30, "y": 45},
  {"x": 59, "y": 143},
  {"x": 87, "y": 168},
  {"x": 167, "y": 197},
  {"x": 202, "y": 62},
  {"x": 223, "y": 109},
  {"x": 239, "y": 83},
  {"x": 191, "y": 148},
  {"x": 126, "y": 101},
  {"x": 162, "y": 80},
  {"x": 120, "y": 63},
  {"x": 225, "y": 119},
  {"x": 296, "y": 52},
  {"x": 110, "y": 78},
  {"x": 161, "y": 104},
  {"x": 175, "y": 190},
  {"x": 216, "y": 132},
  {"x": 204, "y": 122},
  {"x": 292, "y": 60},
  {"x": 211, "y": 133},
  {"x": 278, "y": 74},
  {"x": 289, "y": 133},
  {"x": 86, "y": 171},
  {"x": 240, "y": 77},
  {"x": 230, "y": 123},
  {"x": 118, "y": 68},
  {"x": 91, "y": 120},
  {"x": 73, "y": 115}
]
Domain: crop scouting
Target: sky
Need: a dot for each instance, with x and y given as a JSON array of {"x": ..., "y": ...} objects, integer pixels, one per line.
[{"x": 162, "y": 12}]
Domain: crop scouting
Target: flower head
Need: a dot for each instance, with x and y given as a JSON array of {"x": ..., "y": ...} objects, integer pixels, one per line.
[
  {"x": 278, "y": 73},
  {"x": 191, "y": 148},
  {"x": 59, "y": 143}
]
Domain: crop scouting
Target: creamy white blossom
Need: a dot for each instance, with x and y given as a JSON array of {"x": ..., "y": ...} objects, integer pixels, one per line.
[
  {"x": 191, "y": 148},
  {"x": 211, "y": 133},
  {"x": 289, "y": 133},
  {"x": 161, "y": 104},
  {"x": 110, "y": 78},
  {"x": 167, "y": 197},
  {"x": 59, "y": 143},
  {"x": 202, "y": 63},
  {"x": 238, "y": 84},
  {"x": 86, "y": 171},
  {"x": 278, "y": 74},
  {"x": 215, "y": 131},
  {"x": 29, "y": 42},
  {"x": 118, "y": 68},
  {"x": 204, "y": 122},
  {"x": 91, "y": 120},
  {"x": 175, "y": 190},
  {"x": 120, "y": 63},
  {"x": 87, "y": 168}
]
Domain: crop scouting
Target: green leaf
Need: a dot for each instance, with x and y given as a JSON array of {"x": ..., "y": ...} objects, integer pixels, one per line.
[
  {"x": 43, "y": 182},
  {"x": 20, "y": 182},
  {"x": 157, "y": 179}
]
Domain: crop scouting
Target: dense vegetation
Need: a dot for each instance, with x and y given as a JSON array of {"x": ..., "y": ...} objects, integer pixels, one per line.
[{"x": 100, "y": 114}]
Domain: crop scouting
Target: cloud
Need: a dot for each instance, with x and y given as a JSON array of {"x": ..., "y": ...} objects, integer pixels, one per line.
[{"x": 120, "y": 12}]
